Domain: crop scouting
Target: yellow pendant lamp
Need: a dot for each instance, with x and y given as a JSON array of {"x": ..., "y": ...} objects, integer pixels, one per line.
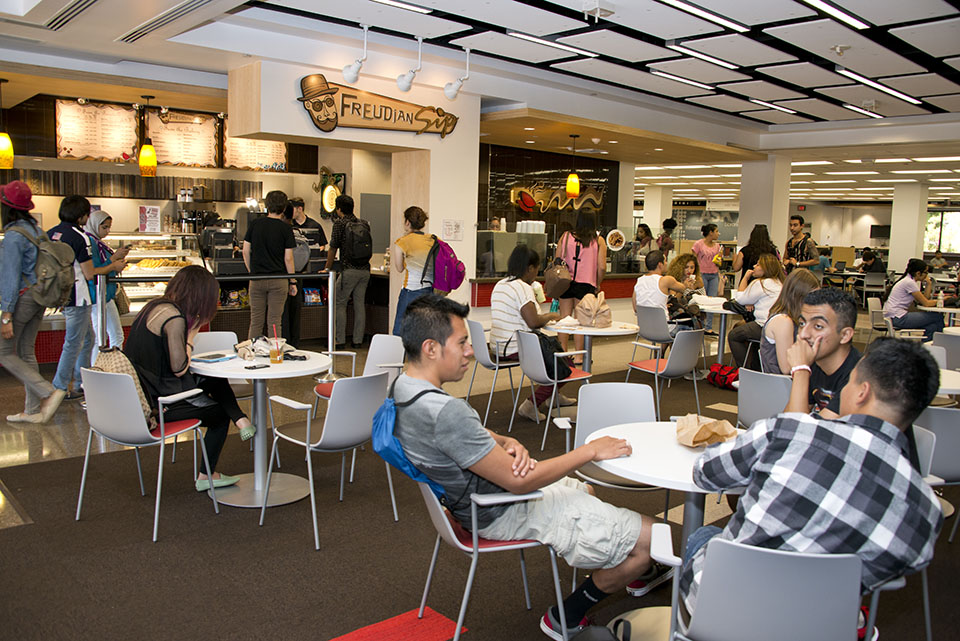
[
  {"x": 148, "y": 155},
  {"x": 6, "y": 145},
  {"x": 573, "y": 180}
]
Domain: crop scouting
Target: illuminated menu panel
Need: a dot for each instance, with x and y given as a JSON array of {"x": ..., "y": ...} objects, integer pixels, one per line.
[
  {"x": 246, "y": 153},
  {"x": 96, "y": 132},
  {"x": 184, "y": 139}
]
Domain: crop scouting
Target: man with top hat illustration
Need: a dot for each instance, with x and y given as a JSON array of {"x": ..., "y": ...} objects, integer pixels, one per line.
[{"x": 317, "y": 99}]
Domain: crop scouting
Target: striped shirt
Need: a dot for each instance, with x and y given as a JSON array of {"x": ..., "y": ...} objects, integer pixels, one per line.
[
  {"x": 814, "y": 485},
  {"x": 508, "y": 296}
]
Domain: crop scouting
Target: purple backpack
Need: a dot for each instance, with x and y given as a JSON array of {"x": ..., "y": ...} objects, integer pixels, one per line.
[{"x": 445, "y": 272}]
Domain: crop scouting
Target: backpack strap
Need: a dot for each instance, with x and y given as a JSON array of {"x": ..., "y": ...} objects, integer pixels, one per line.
[{"x": 23, "y": 233}]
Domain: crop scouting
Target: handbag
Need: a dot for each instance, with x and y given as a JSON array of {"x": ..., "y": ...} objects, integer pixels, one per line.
[
  {"x": 549, "y": 345},
  {"x": 115, "y": 361},
  {"x": 122, "y": 301},
  {"x": 593, "y": 311},
  {"x": 734, "y": 306},
  {"x": 557, "y": 279}
]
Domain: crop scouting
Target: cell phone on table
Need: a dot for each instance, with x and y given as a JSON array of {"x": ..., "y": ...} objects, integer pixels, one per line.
[{"x": 257, "y": 366}]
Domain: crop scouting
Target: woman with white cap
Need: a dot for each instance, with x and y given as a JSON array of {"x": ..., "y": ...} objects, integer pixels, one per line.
[{"x": 97, "y": 228}]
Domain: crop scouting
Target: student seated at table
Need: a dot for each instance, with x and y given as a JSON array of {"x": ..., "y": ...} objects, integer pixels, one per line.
[
  {"x": 872, "y": 264},
  {"x": 685, "y": 269},
  {"x": 780, "y": 330},
  {"x": 444, "y": 438},
  {"x": 513, "y": 308},
  {"x": 907, "y": 291},
  {"x": 938, "y": 262},
  {"x": 758, "y": 289},
  {"x": 653, "y": 288},
  {"x": 807, "y": 488}
]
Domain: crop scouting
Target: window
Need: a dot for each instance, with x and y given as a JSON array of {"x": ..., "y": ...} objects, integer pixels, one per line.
[{"x": 942, "y": 232}]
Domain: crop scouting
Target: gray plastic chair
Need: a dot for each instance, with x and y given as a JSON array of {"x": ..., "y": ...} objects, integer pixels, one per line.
[
  {"x": 681, "y": 360},
  {"x": 481, "y": 354},
  {"x": 926, "y": 442},
  {"x": 385, "y": 355},
  {"x": 652, "y": 327},
  {"x": 347, "y": 425},
  {"x": 450, "y": 531},
  {"x": 952, "y": 344},
  {"x": 114, "y": 412},
  {"x": 944, "y": 422},
  {"x": 761, "y": 396},
  {"x": 875, "y": 311},
  {"x": 873, "y": 283}
]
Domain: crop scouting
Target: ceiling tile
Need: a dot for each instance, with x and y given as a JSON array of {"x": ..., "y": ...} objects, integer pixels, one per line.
[
  {"x": 652, "y": 17},
  {"x": 375, "y": 15},
  {"x": 941, "y": 38},
  {"x": 761, "y": 90},
  {"x": 698, "y": 70},
  {"x": 805, "y": 74},
  {"x": 886, "y": 105},
  {"x": 510, "y": 47},
  {"x": 820, "y": 109},
  {"x": 953, "y": 62},
  {"x": 863, "y": 56},
  {"x": 518, "y": 16},
  {"x": 615, "y": 45},
  {"x": 884, "y": 13},
  {"x": 950, "y": 103},
  {"x": 630, "y": 77},
  {"x": 925, "y": 84},
  {"x": 753, "y": 12},
  {"x": 738, "y": 50},
  {"x": 776, "y": 117},
  {"x": 727, "y": 103}
]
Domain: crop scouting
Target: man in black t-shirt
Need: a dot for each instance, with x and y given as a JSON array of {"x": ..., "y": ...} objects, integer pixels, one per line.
[
  {"x": 354, "y": 273},
  {"x": 823, "y": 355},
  {"x": 801, "y": 250},
  {"x": 302, "y": 221},
  {"x": 268, "y": 249},
  {"x": 872, "y": 264}
]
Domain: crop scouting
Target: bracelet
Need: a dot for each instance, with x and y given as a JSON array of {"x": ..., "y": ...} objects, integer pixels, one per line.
[
  {"x": 189, "y": 344},
  {"x": 796, "y": 368}
]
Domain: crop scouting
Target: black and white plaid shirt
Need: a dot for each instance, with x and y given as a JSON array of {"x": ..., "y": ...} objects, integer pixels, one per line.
[{"x": 823, "y": 486}]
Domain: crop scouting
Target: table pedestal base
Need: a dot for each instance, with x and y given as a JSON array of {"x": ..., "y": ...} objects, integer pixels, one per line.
[
  {"x": 647, "y": 624},
  {"x": 284, "y": 488}
]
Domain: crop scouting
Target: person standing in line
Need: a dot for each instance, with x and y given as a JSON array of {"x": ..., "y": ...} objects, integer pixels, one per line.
[
  {"x": 302, "y": 221},
  {"x": 351, "y": 237},
  {"x": 665, "y": 240},
  {"x": 585, "y": 253},
  {"x": 706, "y": 249},
  {"x": 268, "y": 249},
  {"x": 801, "y": 250},
  {"x": 20, "y": 315},
  {"x": 78, "y": 340},
  {"x": 410, "y": 254},
  {"x": 97, "y": 227}
]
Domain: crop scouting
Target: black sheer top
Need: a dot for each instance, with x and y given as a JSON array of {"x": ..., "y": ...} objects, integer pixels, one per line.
[{"x": 157, "y": 347}]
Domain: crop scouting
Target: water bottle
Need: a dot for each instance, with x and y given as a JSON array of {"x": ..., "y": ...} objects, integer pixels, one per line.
[
  {"x": 555, "y": 305},
  {"x": 940, "y": 299}
]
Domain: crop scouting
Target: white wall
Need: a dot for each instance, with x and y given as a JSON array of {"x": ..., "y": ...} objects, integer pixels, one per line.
[{"x": 842, "y": 226}]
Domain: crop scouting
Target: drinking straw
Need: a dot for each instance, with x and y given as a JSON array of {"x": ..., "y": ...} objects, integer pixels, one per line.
[{"x": 275, "y": 339}]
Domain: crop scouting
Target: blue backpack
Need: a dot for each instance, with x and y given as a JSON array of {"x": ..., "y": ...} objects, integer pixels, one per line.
[{"x": 388, "y": 447}]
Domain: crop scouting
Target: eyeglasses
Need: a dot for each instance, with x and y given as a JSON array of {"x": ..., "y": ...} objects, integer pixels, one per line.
[{"x": 320, "y": 102}]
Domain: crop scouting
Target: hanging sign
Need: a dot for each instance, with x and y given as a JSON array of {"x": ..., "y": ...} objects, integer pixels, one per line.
[{"x": 331, "y": 105}]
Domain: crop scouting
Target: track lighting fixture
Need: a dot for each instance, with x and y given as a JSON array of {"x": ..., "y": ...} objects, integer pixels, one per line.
[
  {"x": 352, "y": 71},
  {"x": 405, "y": 81},
  {"x": 451, "y": 89}
]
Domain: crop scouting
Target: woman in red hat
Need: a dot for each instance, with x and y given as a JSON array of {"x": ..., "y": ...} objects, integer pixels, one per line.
[{"x": 20, "y": 315}]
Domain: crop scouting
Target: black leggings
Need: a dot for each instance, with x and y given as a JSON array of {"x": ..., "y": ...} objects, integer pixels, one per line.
[{"x": 216, "y": 418}]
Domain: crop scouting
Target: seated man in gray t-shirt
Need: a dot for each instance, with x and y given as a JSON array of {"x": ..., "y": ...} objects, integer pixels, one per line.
[{"x": 445, "y": 439}]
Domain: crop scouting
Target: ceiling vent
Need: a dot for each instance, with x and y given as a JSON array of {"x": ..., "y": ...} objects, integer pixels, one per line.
[
  {"x": 66, "y": 15},
  {"x": 162, "y": 20}
]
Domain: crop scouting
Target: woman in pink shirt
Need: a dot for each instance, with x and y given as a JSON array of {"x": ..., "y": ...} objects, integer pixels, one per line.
[
  {"x": 706, "y": 249},
  {"x": 585, "y": 254}
]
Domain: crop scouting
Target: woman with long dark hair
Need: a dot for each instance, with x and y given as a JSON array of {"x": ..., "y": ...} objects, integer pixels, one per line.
[
  {"x": 750, "y": 253},
  {"x": 585, "y": 253},
  {"x": 759, "y": 289},
  {"x": 780, "y": 331},
  {"x": 160, "y": 345},
  {"x": 915, "y": 286},
  {"x": 410, "y": 253}
]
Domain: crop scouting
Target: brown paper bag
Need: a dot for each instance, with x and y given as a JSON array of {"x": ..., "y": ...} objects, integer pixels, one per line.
[
  {"x": 695, "y": 431},
  {"x": 593, "y": 311}
]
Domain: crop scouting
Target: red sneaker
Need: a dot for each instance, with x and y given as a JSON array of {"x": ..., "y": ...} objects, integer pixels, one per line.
[{"x": 656, "y": 575}]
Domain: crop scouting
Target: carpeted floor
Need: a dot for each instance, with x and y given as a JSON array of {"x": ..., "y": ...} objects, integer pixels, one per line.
[{"x": 223, "y": 577}]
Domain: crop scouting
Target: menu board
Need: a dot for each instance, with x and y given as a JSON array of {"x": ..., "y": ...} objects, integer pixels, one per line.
[
  {"x": 184, "y": 139},
  {"x": 96, "y": 132},
  {"x": 247, "y": 153}
]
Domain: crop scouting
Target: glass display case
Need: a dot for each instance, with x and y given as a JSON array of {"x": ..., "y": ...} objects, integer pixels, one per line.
[
  {"x": 495, "y": 246},
  {"x": 154, "y": 255}
]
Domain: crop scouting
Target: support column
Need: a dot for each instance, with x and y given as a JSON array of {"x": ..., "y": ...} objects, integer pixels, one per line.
[
  {"x": 765, "y": 198},
  {"x": 409, "y": 183},
  {"x": 657, "y": 207},
  {"x": 907, "y": 223},
  {"x": 625, "y": 198}
]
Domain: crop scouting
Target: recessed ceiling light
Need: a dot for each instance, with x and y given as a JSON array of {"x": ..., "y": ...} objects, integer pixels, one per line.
[
  {"x": 648, "y": 168},
  {"x": 658, "y": 148},
  {"x": 826, "y": 182},
  {"x": 730, "y": 165},
  {"x": 671, "y": 183},
  {"x": 687, "y": 81},
  {"x": 659, "y": 177},
  {"x": 938, "y": 159},
  {"x": 853, "y": 162},
  {"x": 892, "y": 180},
  {"x": 842, "y": 16},
  {"x": 876, "y": 85},
  {"x": 549, "y": 43},
  {"x": 729, "y": 175},
  {"x": 945, "y": 180},
  {"x": 404, "y": 5},
  {"x": 702, "y": 56},
  {"x": 799, "y": 182},
  {"x": 921, "y": 171},
  {"x": 851, "y": 173},
  {"x": 886, "y": 160},
  {"x": 803, "y": 173},
  {"x": 686, "y": 166},
  {"x": 529, "y": 129},
  {"x": 726, "y": 183},
  {"x": 703, "y": 176},
  {"x": 772, "y": 106},
  {"x": 613, "y": 142},
  {"x": 530, "y": 142},
  {"x": 860, "y": 111},
  {"x": 872, "y": 188},
  {"x": 939, "y": 188},
  {"x": 810, "y": 163},
  {"x": 706, "y": 15}
]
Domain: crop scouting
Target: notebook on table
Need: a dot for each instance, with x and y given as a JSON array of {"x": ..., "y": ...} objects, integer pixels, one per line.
[
  {"x": 213, "y": 357},
  {"x": 840, "y": 265}
]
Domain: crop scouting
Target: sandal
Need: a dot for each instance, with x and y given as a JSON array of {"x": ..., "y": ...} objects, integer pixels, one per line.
[{"x": 247, "y": 433}]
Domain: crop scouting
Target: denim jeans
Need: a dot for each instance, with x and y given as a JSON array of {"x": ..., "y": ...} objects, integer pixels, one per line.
[
  {"x": 77, "y": 346},
  {"x": 407, "y": 296},
  {"x": 351, "y": 283},
  {"x": 17, "y": 354},
  {"x": 929, "y": 322},
  {"x": 711, "y": 283},
  {"x": 114, "y": 329}
]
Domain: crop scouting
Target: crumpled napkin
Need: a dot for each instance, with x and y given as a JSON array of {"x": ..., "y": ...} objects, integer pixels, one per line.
[
  {"x": 567, "y": 321},
  {"x": 695, "y": 431}
]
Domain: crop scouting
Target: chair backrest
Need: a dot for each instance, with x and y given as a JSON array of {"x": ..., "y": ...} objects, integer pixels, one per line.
[
  {"x": 214, "y": 342},
  {"x": 939, "y": 353},
  {"x": 531, "y": 358},
  {"x": 601, "y": 405},
  {"x": 943, "y": 422},
  {"x": 775, "y": 583},
  {"x": 952, "y": 344},
  {"x": 481, "y": 349},
  {"x": 113, "y": 407},
  {"x": 875, "y": 307},
  {"x": 761, "y": 396},
  {"x": 652, "y": 322},
  {"x": 684, "y": 353},
  {"x": 439, "y": 518},
  {"x": 874, "y": 279},
  {"x": 384, "y": 348},
  {"x": 349, "y": 419},
  {"x": 926, "y": 445}
]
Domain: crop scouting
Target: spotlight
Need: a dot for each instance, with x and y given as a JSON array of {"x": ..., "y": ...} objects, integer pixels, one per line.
[
  {"x": 451, "y": 89},
  {"x": 405, "y": 81},
  {"x": 351, "y": 73}
]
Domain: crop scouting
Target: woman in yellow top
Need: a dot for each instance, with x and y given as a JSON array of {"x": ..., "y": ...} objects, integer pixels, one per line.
[{"x": 410, "y": 254}]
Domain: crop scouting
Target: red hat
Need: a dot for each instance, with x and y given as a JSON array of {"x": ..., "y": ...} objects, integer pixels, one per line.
[{"x": 16, "y": 194}]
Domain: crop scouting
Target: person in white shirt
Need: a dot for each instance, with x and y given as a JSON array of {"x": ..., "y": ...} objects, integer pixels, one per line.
[
  {"x": 653, "y": 288},
  {"x": 513, "y": 308},
  {"x": 758, "y": 289}
]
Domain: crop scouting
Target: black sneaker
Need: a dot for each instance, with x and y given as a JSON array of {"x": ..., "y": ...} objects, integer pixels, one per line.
[
  {"x": 550, "y": 625},
  {"x": 73, "y": 395},
  {"x": 656, "y": 575}
]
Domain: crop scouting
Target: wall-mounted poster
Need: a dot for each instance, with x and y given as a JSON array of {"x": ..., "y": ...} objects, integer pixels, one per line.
[
  {"x": 184, "y": 139},
  {"x": 96, "y": 132},
  {"x": 247, "y": 153}
]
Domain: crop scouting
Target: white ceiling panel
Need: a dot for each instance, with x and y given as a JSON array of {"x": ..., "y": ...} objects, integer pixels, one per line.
[
  {"x": 630, "y": 77},
  {"x": 521, "y": 17},
  {"x": 504, "y": 45},
  {"x": 885, "y": 105},
  {"x": 727, "y": 103},
  {"x": 371, "y": 13},
  {"x": 652, "y": 17},
  {"x": 777, "y": 117},
  {"x": 761, "y": 90},
  {"x": 941, "y": 38},
  {"x": 753, "y": 12},
  {"x": 805, "y": 74},
  {"x": 950, "y": 103},
  {"x": 615, "y": 45},
  {"x": 863, "y": 56},
  {"x": 738, "y": 50},
  {"x": 953, "y": 62},
  {"x": 925, "y": 84},
  {"x": 698, "y": 70},
  {"x": 821, "y": 109},
  {"x": 883, "y": 13}
]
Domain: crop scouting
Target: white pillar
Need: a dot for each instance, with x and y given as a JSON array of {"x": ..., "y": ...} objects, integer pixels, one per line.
[
  {"x": 625, "y": 198},
  {"x": 765, "y": 198},
  {"x": 657, "y": 207},
  {"x": 907, "y": 223}
]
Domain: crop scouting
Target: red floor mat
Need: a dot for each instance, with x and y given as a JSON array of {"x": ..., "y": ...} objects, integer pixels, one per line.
[{"x": 407, "y": 627}]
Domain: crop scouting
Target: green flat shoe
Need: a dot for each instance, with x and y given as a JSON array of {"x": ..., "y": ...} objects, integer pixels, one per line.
[
  {"x": 246, "y": 434},
  {"x": 203, "y": 485}
]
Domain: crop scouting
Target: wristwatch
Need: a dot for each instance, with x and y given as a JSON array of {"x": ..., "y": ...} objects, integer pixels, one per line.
[{"x": 6, "y": 321}]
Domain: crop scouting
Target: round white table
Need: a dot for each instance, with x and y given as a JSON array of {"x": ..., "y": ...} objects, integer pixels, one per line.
[
  {"x": 284, "y": 488},
  {"x": 950, "y": 312},
  {"x": 616, "y": 329},
  {"x": 722, "y": 332},
  {"x": 955, "y": 331},
  {"x": 949, "y": 381}
]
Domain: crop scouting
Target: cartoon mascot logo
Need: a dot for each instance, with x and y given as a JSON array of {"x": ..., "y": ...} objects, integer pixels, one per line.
[{"x": 317, "y": 99}]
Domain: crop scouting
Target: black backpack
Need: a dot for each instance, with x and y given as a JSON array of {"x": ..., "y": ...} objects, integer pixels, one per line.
[{"x": 357, "y": 242}]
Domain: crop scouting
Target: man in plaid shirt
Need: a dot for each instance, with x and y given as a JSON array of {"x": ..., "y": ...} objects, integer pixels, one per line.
[{"x": 833, "y": 486}]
